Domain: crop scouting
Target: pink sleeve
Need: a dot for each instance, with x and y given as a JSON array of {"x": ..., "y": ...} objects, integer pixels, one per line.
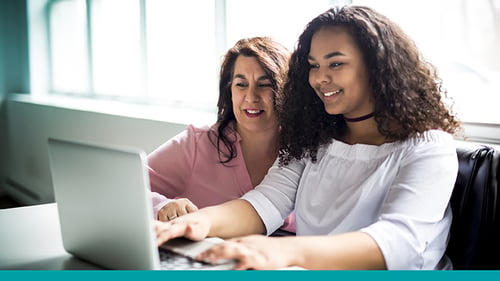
[{"x": 170, "y": 166}]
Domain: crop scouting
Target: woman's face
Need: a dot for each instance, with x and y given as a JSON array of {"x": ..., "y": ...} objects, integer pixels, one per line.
[
  {"x": 338, "y": 73},
  {"x": 252, "y": 96}
]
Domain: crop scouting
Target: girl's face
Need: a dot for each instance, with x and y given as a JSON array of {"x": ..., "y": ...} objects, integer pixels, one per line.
[
  {"x": 338, "y": 73},
  {"x": 252, "y": 96}
]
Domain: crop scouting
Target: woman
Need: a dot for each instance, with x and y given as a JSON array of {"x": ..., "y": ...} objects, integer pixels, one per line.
[
  {"x": 367, "y": 159},
  {"x": 210, "y": 165}
]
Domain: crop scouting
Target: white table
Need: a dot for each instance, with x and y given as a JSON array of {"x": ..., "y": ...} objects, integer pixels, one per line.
[{"x": 30, "y": 238}]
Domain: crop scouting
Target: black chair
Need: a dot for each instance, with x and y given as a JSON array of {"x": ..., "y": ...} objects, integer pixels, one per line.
[{"x": 474, "y": 236}]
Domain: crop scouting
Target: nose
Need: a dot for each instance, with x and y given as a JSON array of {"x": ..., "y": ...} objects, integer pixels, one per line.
[
  {"x": 251, "y": 95},
  {"x": 322, "y": 77}
]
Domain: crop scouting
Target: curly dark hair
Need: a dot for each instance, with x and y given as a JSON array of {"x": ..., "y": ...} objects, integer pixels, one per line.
[
  {"x": 273, "y": 57},
  {"x": 407, "y": 91}
]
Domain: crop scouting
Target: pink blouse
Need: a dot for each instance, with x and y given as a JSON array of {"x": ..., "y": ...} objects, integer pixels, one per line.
[{"x": 187, "y": 166}]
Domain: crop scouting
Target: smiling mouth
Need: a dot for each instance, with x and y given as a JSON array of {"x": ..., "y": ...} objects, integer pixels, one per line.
[
  {"x": 253, "y": 111},
  {"x": 329, "y": 94}
]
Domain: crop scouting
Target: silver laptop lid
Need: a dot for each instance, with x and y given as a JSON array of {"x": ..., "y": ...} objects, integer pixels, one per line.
[{"x": 104, "y": 204}]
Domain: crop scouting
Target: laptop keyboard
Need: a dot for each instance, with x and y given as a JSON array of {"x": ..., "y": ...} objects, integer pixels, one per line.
[{"x": 173, "y": 261}]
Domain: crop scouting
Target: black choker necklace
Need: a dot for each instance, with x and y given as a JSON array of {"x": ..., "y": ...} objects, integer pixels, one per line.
[{"x": 370, "y": 115}]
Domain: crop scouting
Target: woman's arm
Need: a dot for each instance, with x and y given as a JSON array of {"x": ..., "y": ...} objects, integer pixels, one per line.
[
  {"x": 413, "y": 225},
  {"x": 231, "y": 219},
  {"x": 355, "y": 250},
  {"x": 169, "y": 167}
]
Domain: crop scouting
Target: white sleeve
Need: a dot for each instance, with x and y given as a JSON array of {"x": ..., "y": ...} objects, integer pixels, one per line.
[
  {"x": 412, "y": 228},
  {"x": 274, "y": 197}
]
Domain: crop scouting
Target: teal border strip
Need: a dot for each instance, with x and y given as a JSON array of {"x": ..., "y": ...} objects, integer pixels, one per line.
[{"x": 285, "y": 275}]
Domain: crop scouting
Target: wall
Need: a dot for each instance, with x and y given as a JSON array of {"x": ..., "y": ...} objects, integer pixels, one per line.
[
  {"x": 3, "y": 130},
  {"x": 14, "y": 66}
]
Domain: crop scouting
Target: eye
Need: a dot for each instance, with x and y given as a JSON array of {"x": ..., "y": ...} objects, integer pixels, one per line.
[
  {"x": 266, "y": 85},
  {"x": 241, "y": 85},
  {"x": 313, "y": 66},
  {"x": 335, "y": 64}
]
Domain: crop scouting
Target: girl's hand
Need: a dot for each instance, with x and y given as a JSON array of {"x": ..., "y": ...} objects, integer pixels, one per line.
[
  {"x": 181, "y": 227},
  {"x": 253, "y": 252}
]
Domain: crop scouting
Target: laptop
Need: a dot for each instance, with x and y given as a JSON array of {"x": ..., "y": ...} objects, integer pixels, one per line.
[{"x": 105, "y": 210}]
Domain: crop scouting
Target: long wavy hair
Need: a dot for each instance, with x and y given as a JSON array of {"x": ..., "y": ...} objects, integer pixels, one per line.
[
  {"x": 407, "y": 91},
  {"x": 273, "y": 57}
]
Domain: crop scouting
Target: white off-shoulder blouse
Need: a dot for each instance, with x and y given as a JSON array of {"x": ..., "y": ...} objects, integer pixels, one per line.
[{"x": 397, "y": 192}]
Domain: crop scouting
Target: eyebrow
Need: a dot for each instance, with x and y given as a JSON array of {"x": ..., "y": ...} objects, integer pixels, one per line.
[
  {"x": 329, "y": 55},
  {"x": 241, "y": 76}
]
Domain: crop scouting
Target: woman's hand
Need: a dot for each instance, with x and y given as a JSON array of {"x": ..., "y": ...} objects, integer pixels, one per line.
[
  {"x": 176, "y": 208},
  {"x": 254, "y": 252},
  {"x": 186, "y": 226},
  {"x": 234, "y": 218}
]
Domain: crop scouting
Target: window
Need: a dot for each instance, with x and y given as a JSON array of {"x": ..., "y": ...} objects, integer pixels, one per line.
[
  {"x": 281, "y": 19},
  {"x": 181, "y": 51},
  {"x": 68, "y": 50},
  {"x": 136, "y": 50},
  {"x": 169, "y": 51},
  {"x": 117, "y": 60}
]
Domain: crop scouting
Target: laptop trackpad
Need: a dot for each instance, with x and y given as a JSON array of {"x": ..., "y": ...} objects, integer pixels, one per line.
[{"x": 190, "y": 248}]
